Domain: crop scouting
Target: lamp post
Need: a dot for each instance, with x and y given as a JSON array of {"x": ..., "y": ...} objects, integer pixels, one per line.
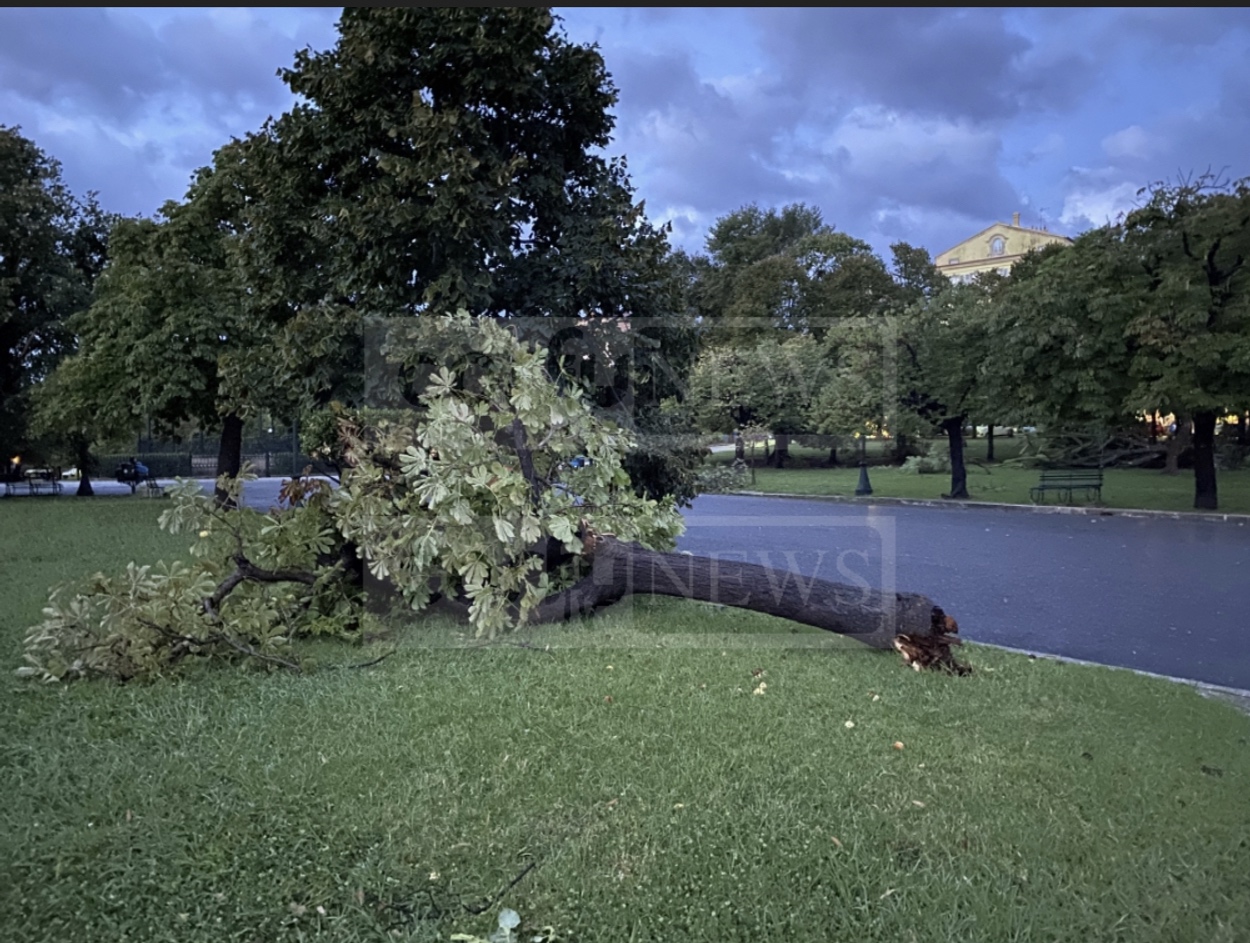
[{"x": 865, "y": 486}]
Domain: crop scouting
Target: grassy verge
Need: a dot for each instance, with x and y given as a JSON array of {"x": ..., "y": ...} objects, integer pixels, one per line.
[
  {"x": 622, "y": 773},
  {"x": 1122, "y": 487}
]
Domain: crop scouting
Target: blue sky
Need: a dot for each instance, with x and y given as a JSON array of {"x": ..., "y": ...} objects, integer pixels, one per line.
[{"x": 923, "y": 125}]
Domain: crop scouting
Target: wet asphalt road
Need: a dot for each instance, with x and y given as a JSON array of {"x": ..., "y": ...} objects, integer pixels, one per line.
[{"x": 1167, "y": 596}]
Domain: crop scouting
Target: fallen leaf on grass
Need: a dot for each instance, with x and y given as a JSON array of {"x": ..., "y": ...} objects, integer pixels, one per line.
[
  {"x": 898, "y": 744},
  {"x": 607, "y": 699},
  {"x": 834, "y": 839},
  {"x": 849, "y": 724},
  {"x": 917, "y": 803},
  {"x": 887, "y": 894}
]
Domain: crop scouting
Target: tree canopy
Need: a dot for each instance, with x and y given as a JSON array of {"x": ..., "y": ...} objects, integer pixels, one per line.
[{"x": 52, "y": 245}]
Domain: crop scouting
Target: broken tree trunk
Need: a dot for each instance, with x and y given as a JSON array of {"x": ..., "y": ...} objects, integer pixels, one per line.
[{"x": 621, "y": 569}]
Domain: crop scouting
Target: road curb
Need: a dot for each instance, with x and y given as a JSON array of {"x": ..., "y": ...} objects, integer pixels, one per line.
[
  {"x": 1239, "y": 697},
  {"x": 1240, "y": 519}
]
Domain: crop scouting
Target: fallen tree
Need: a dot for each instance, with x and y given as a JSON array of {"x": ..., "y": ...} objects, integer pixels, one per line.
[{"x": 471, "y": 498}]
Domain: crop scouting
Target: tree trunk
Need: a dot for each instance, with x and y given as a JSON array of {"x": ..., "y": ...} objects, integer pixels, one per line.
[
  {"x": 901, "y": 445},
  {"x": 954, "y": 429},
  {"x": 621, "y": 569},
  {"x": 782, "y": 450},
  {"x": 833, "y": 456},
  {"x": 229, "y": 455},
  {"x": 1177, "y": 444},
  {"x": 1243, "y": 431},
  {"x": 1205, "y": 496},
  {"x": 82, "y": 455},
  {"x": 989, "y": 443}
]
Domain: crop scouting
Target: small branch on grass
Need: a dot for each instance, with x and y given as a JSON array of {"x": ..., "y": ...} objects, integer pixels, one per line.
[
  {"x": 492, "y": 901},
  {"x": 368, "y": 664},
  {"x": 244, "y": 648}
]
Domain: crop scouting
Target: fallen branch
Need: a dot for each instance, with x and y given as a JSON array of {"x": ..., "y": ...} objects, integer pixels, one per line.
[
  {"x": 245, "y": 570},
  {"x": 190, "y": 641},
  {"x": 620, "y": 569}
]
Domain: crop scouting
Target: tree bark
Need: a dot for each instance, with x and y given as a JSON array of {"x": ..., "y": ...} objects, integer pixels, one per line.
[
  {"x": 954, "y": 429},
  {"x": 82, "y": 455},
  {"x": 782, "y": 450},
  {"x": 620, "y": 569},
  {"x": 989, "y": 443},
  {"x": 1205, "y": 495},
  {"x": 1177, "y": 444},
  {"x": 229, "y": 456},
  {"x": 901, "y": 445}
]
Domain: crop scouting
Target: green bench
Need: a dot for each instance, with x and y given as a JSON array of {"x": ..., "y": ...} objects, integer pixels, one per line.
[{"x": 1067, "y": 482}]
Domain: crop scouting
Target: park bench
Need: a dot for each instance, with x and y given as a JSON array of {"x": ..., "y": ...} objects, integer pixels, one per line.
[
  {"x": 37, "y": 481},
  {"x": 1067, "y": 482},
  {"x": 127, "y": 474}
]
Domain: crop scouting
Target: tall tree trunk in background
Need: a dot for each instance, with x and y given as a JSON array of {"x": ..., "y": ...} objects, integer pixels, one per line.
[
  {"x": 1243, "y": 430},
  {"x": 1205, "y": 496},
  {"x": 954, "y": 429},
  {"x": 989, "y": 444},
  {"x": 229, "y": 455},
  {"x": 1178, "y": 443},
  {"x": 782, "y": 450},
  {"x": 82, "y": 455},
  {"x": 901, "y": 445}
]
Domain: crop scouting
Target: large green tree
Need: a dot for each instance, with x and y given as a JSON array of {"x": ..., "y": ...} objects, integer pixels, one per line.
[
  {"x": 1149, "y": 314},
  {"x": 774, "y": 285},
  {"x": 52, "y": 246},
  {"x": 1189, "y": 328},
  {"x": 444, "y": 159},
  {"x": 166, "y": 313}
]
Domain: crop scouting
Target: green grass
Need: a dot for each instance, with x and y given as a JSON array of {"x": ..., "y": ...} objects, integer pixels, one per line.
[
  {"x": 628, "y": 761},
  {"x": 1122, "y": 487}
]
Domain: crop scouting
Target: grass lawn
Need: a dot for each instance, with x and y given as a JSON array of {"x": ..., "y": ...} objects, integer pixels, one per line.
[
  {"x": 1122, "y": 487},
  {"x": 615, "y": 781}
]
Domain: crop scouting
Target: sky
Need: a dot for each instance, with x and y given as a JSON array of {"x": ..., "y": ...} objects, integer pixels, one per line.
[{"x": 919, "y": 125}]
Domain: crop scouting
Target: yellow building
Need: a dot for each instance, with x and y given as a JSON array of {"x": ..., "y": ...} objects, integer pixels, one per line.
[{"x": 994, "y": 249}]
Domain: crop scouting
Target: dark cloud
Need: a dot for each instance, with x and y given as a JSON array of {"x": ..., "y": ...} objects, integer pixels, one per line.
[
  {"x": 99, "y": 60},
  {"x": 1191, "y": 29},
  {"x": 701, "y": 143},
  {"x": 115, "y": 65},
  {"x": 949, "y": 63}
]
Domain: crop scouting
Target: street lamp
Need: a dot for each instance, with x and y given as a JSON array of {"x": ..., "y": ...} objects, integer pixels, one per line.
[{"x": 865, "y": 486}]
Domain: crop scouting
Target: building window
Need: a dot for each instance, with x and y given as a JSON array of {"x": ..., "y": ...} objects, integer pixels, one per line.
[
  {"x": 998, "y": 245},
  {"x": 953, "y": 260},
  {"x": 1004, "y": 270}
]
